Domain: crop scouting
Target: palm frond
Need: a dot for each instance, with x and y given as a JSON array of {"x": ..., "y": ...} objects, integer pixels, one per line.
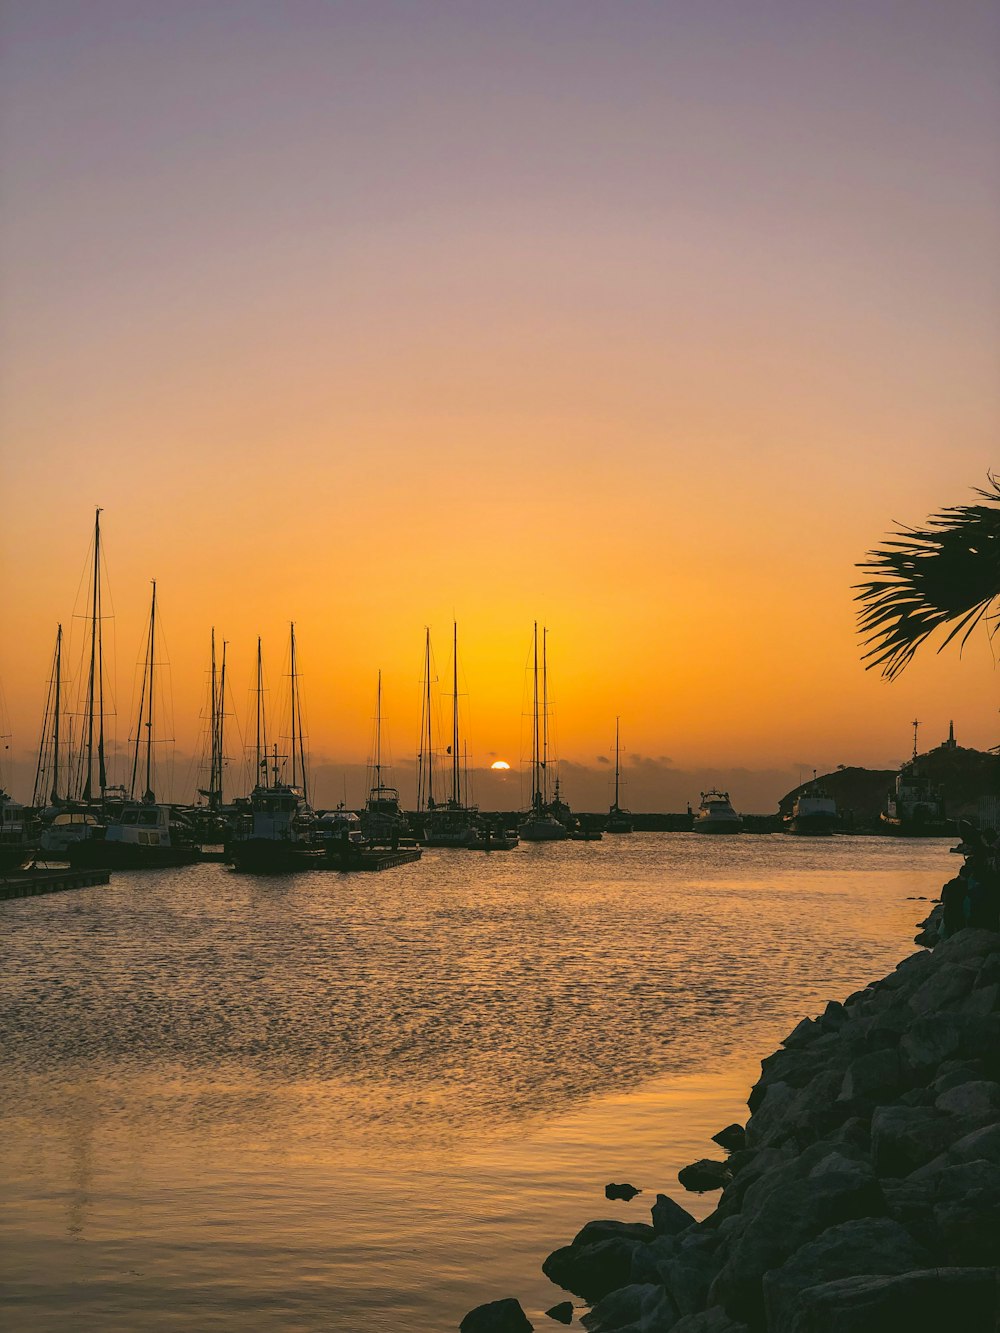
[{"x": 946, "y": 573}]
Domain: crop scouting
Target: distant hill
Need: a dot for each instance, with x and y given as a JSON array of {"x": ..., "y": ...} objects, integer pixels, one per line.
[{"x": 965, "y": 775}]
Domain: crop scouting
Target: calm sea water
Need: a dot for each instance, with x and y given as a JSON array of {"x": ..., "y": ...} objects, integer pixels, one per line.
[{"x": 370, "y": 1102}]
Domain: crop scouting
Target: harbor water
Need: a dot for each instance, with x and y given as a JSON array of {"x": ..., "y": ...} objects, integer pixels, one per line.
[{"x": 371, "y": 1102}]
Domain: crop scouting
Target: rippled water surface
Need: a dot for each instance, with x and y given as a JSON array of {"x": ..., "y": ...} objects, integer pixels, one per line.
[{"x": 370, "y": 1102}]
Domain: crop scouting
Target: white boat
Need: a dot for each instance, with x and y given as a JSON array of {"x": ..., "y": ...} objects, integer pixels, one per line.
[
  {"x": 540, "y": 825},
  {"x": 813, "y": 813},
  {"x": 62, "y": 828},
  {"x": 715, "y": 814}
]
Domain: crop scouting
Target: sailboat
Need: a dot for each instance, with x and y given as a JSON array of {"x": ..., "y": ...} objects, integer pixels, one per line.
[
  {"x": 540, "y": 825},
  {"x": 619, "y": 820},
  {"x": 143, "y": 834},
  {"x": 210, "y": 818},
  {"x": 454, "y": 822},
  {"x": 280, "y": 832},
  {"x": 382, "y": 820}
]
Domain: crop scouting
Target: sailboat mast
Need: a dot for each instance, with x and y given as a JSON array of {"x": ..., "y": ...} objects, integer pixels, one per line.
[
  {"x": 297, "y": 722},
  {"x": 261, "y": 724},
  {"x": 545, "y": 715},
  {"x": 148, "y": 793},
  {"x": 294, "y": 746},
  {"x": 456, "y": 761},
  {"x": 536, "y": 785},
  {"x": 56, "y": 717},
  {"x": 616, "y": 762},
  {"x": 88, "y": 788},
  {"x": 425, "y": 757},
  {"x": 378, "y": 732},
  {"x": 220, "y": 715},
  {"x": 213, "y": 727}
]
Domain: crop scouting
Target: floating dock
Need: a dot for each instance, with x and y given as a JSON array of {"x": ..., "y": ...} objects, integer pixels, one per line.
[
  {"x": 30, "y": 883},
  {"x": 374, "y": 858}
]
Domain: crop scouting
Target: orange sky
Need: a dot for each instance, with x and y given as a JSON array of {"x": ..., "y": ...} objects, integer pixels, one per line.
[{"x": 647, "y": 329}]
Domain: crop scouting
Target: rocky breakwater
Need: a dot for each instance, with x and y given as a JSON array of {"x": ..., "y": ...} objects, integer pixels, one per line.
[{"x": 864, "y": 1194}]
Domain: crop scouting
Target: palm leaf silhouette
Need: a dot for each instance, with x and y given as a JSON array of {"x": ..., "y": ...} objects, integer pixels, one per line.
[{"x": 922, "y": 579}]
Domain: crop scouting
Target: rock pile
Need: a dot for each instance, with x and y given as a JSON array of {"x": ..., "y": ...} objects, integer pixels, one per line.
[{"x": 864, "y": 1194}]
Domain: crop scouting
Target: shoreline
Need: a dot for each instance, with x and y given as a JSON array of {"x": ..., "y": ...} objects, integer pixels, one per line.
[{"x": 863, "y": 1194}]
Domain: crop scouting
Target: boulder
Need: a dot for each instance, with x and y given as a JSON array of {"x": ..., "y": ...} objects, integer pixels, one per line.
[
  {"x": 872, "y": 1079},
  {"x": 967, "y": 1229},
  {"x": 704, "y": 1175},
  {"x": 591, "y": 1271},
  {"x": 669, "y": 1218},
  {"x": 906, "y": 1137},
  {"x": 625, "y": 1191},
  {"x": 930, "y": 1040},
  {"x": 504, "y": 1316},
  {"x": 687, "y": 1278},
  {"x": 713, "y": 1320},
  {"x": 637, "y": 1308},
  {"x": 732, "y": 1138},
  {"x": 925, "y": 1301},
  {"x": 649, "y": 1261},
  {"x": 561, "y": 1313},
  {"x": 833, "y": 1017},
  {"x": 788, "y": 1218},
  {"x": 966, "y": 945},
  {"x": 976, "y": 1102},
  {"x": 982, "y": 1000},
  {"x": 942, "y": 990},
  {"x": 802, "y": 1033},
  {"x": 865, "y": 1245},
  {"x": 591, "y": 1232}
]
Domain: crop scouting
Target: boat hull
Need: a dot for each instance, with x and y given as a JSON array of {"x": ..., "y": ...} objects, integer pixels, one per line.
[
  {"x": 98, "y": 854},
  {"x": 718, "y": 826},
  {"x": 266, "y": 856}
]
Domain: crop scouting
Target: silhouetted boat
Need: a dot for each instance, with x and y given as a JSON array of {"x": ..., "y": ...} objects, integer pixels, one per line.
[
  {"x": 540, "y": 825},
  {"x": 142, "y": 834},
  {"x": 279, "y": 834},
  {"x": 454, "y": 822},
  {"x": 18, "y": 842},
  {"x": 618, "y": 820},
  {"x": 715, "y": 814},
  {"x": 382, "y": 820}
]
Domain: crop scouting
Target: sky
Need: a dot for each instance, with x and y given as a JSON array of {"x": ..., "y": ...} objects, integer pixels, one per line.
[{"x": 644, "y": 321}]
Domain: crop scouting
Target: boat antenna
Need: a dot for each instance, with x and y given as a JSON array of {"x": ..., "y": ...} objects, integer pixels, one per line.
[
  {"x": 297, "y": 721},
  {"x": 294, "y": 744},
  {"x": 916, "y": 728},
  {"x": 617, "y": 770},
  {"x": 378, "y": 732},
  {"x": 545, "y": 714},
  {"x": 425, "y": 754}
]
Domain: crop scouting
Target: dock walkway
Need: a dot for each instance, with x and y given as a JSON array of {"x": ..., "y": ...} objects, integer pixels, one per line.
[{"x": 30, "y": 883}]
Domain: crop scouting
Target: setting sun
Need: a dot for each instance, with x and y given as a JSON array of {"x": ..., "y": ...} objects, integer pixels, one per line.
[{"x": 500, "y": 763}]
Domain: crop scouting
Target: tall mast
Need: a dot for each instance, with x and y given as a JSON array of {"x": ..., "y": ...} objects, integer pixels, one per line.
[
  {"x": 378, "y": 732},
  {"x": 50, "y": 735},
  {"x": 425, "y": 755},
  {"x": 456, "y": 759},
  {"x": 294, "y": 746},
  {"x": 56, "y": 717},
  {"x": 261, "y": 724},
  {"x": 616, "y": 763},
  {"x": 545, "y": 715},
  {"x": 220, "y": 716},
  {"x": 213, "y": 728},
  {"x": 146, "y": 709},
  {"x": 536, "y": 783},
  {"x": 95, "y": 679},
  {"x": 148, "y": 793}
]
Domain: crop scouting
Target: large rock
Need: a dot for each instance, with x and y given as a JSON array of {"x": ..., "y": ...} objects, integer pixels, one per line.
[
  {"x": 713, "y": 1320},
  {"x": 905, "y": 1137},
  {"x": 788, "y": 1218},
  {"x": 732, "y": 1138},
  {"x": 504, "y": 1316},
  {"x": 704, "y": 1175},
  {"x": 872, "y": 1079},
  {"x": 976, "y": 1102},
  {"x": 930, "y": 1040},
  {"x": 591, "y": 1232},
  {"x": 644, "y": 1308},
  {"x": 591, "y": 1271},
  {"x": 942, "y": 990},
  {"x": 927, "y": 1301},
  {"x": 669, "y": 1218},
  {"x": 865, "y": 1245}
]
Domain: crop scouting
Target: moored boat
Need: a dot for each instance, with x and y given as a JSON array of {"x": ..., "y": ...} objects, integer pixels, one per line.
[
  {"x": 540, "y": 825},
  {"x": 715, "y": 814},
  {"x": 813, "y": 813}
]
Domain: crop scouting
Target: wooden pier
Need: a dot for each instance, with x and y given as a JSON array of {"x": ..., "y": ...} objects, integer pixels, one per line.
[
  {"x": 30, "y": 883},
  {"x": 372, "y": 858}
]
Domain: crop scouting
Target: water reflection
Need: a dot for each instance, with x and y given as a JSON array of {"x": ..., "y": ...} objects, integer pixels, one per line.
[{"x": 241, "y": 1088}]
